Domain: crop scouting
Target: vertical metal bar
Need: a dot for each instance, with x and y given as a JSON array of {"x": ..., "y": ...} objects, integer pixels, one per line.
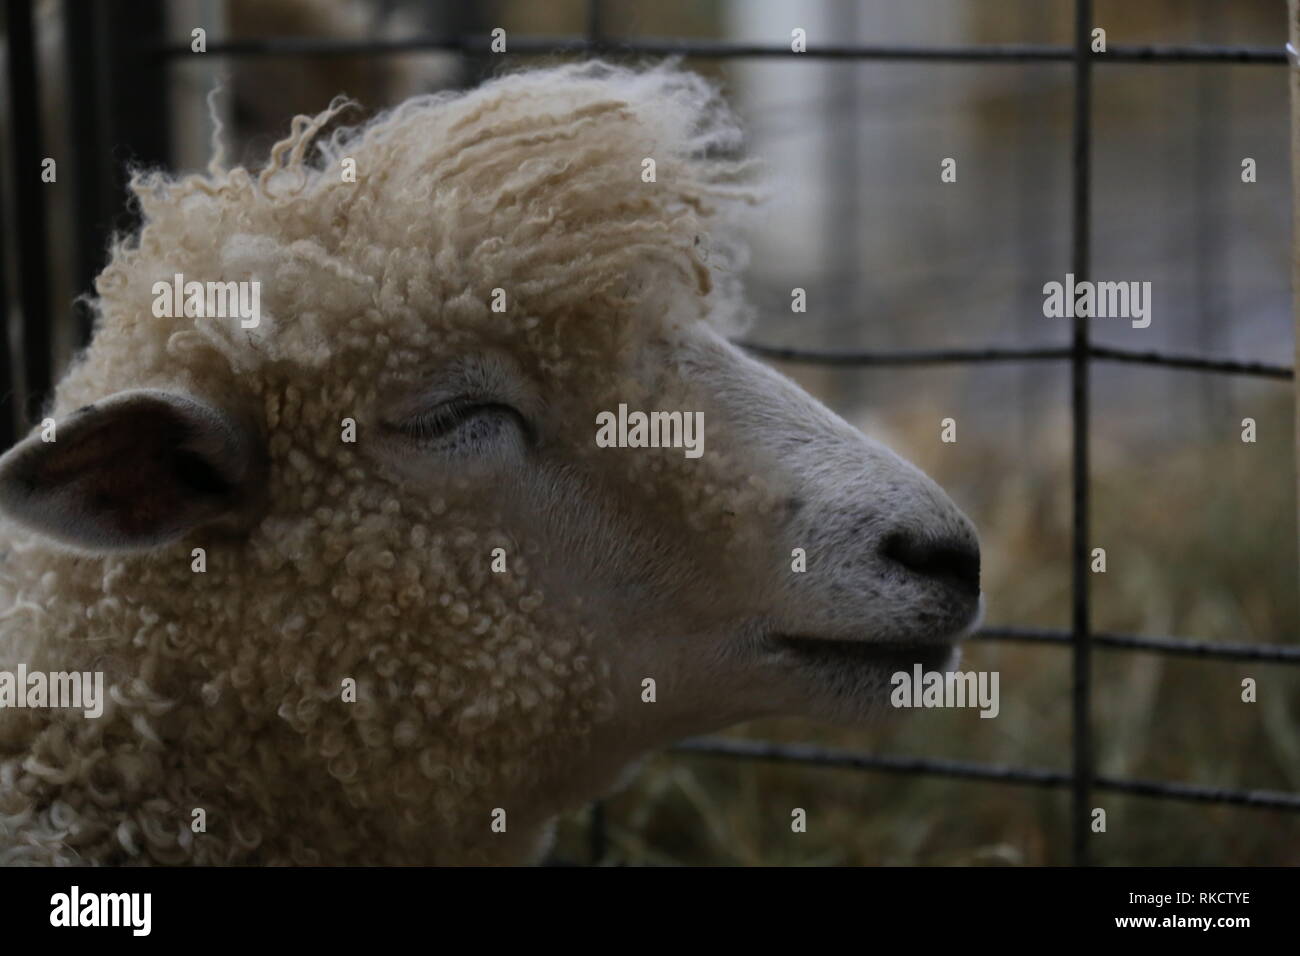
[
  {"x": 1293, "y": 56},
  {"x": 117, "y": 111},
  {"x": 29, "y": 207},
  {"x": 91, "y": 161},
  {"x": 1080, "y": 691},
  {"x": 138, "y": 123},
  {"x": 7, "y": 419}
]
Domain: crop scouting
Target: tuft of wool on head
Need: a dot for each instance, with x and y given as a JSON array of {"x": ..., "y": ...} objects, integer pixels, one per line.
[{"x": 531, "y": 183}]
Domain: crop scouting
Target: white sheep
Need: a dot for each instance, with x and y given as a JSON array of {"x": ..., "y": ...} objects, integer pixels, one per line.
[{"x": 361, "y": 584}]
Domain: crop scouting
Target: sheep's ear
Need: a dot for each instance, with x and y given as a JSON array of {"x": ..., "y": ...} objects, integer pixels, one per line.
[{"x": 136, "y": 470}]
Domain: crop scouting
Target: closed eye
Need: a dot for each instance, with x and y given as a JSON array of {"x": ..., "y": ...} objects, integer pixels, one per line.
[{"x": 459, "y": 421}]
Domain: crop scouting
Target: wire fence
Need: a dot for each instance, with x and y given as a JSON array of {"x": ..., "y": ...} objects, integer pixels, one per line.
[{"x": 118, "y": 59}]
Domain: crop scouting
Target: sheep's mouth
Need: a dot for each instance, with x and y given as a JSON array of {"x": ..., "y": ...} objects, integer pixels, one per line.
[
  {"x": 821, "y": 651},
  {"x": 935, "y": 652}
]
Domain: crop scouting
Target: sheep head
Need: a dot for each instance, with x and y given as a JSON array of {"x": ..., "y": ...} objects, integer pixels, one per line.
[{"x": 363, "y": 563}]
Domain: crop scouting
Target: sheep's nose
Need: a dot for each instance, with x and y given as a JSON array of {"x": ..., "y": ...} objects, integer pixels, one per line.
[{"x": 952, "y": 561}]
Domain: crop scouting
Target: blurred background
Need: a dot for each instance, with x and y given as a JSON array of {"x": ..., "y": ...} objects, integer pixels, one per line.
[{"x": 1199, "y": 528}]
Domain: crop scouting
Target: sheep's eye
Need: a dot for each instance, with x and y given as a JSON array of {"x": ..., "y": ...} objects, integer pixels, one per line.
[{"x": 459, "y": 421}]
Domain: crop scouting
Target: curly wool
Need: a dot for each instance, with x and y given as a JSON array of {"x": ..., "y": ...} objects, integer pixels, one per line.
[{"x": 224, "y": 687}]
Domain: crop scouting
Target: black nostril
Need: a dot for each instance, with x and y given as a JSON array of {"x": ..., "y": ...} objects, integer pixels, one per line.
[{"x": 952, "y": 560}]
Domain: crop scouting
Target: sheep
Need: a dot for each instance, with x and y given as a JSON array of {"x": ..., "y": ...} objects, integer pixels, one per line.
[{"x": 361, "y": 584}]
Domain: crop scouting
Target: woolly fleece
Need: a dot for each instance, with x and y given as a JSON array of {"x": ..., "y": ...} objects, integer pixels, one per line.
[{"x": 224, "y": 687}]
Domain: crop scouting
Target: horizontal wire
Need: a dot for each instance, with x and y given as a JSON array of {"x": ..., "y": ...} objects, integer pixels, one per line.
[
  {"x": 718, "y": 49},
  {"x": 1177, "y": 646},
  {"x": 1046, "y": 353},
  {"x": 908, "y": 357},
  {"x": 814, "y": 755},
  {"x": 1228, "y": 366}
]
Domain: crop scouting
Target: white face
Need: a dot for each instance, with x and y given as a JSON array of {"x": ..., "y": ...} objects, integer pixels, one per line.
[{"x": 707, "y": 604}]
